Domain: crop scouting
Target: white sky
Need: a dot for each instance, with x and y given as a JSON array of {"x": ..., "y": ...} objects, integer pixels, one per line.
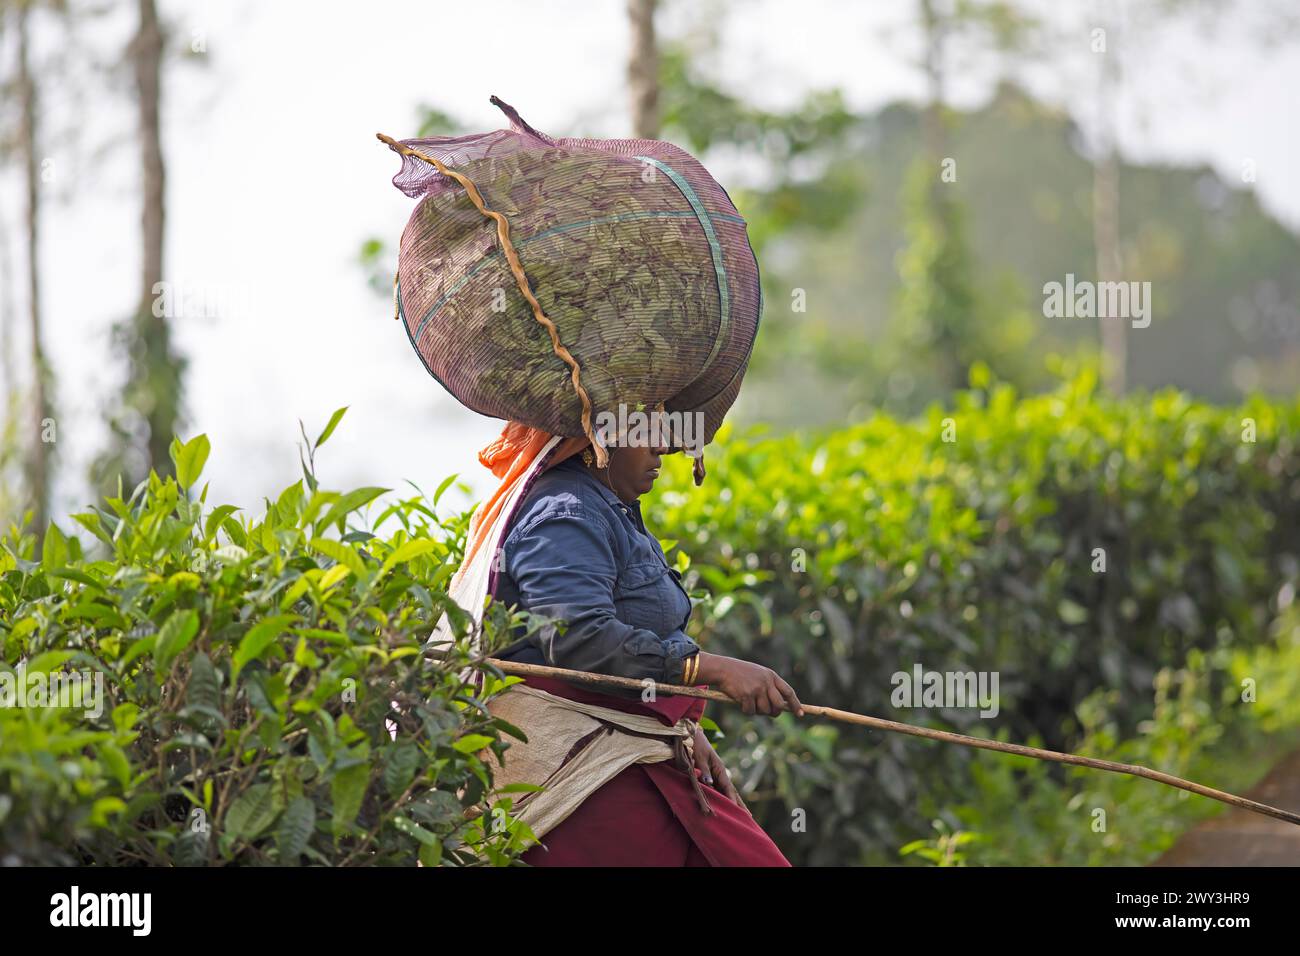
[{"x": 275, "y": 178}]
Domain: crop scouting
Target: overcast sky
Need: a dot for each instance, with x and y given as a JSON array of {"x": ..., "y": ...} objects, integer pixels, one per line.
[{"x": 275, "y": 178}]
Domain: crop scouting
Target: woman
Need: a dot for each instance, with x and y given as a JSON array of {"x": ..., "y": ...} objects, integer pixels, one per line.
[
  {"x": 646, "y": 268},
  {"x": 629, "y": 780}
]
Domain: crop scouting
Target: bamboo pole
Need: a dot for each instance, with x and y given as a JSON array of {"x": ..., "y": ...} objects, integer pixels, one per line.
[{"x": 894, "y": 726}]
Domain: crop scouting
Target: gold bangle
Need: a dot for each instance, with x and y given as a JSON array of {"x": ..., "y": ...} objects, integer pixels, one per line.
[{"x": 691, "y": 669}]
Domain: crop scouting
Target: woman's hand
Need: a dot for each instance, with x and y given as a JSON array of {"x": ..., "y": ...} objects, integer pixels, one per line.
[
  {"x": 757, "y": 689},
  {"x": 712, "y": 770}
]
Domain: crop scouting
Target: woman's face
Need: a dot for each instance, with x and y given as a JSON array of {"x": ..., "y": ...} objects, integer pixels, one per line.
[{"x": 632, "y": 470}]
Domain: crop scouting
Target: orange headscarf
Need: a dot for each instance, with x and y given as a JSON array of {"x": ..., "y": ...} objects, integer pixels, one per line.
[{"x": 508, "y": 457}]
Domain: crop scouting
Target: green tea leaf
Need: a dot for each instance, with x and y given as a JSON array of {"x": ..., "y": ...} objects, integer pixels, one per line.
[
  {"x": 190, "y": 459},
  {"x": 260, "y": 637},
  {"x": 173, "y": 637},
  {"x": 347, "y": 790},
  {"x": 471, "y": 743},
  {"x": 333, "y": 423},
  {"x": 296, "y": 827},
  {"x": 251, "y": 813}
]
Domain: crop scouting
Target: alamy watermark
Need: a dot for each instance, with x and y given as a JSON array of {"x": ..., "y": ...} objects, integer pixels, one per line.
[
  {"x": 82, "y": 690},
  {"x": 946, "y": 689},
  {"x": 130, "y": 910},
  {"x": 192, "y": 300},
  {"x": 1098, "y": 300},
  {"x": 651, "y": 428}
]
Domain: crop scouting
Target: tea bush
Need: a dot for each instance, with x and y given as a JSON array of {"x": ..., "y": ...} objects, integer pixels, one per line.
[
  {"x": 1023, "y": 811},
  {"x": 265, "y": 698},
  {"x": 1120, "y": 564},
  {"x": 1072, "y": 543}
]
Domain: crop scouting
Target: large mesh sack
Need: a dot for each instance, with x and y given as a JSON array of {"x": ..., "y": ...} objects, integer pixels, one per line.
[{"x": 633, "y": 280}]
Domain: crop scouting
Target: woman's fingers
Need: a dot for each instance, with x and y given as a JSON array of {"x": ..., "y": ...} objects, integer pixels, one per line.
[
  {"x": 724, "y": 781},
  {"x": 704, "y": 757},
  {"x": 722, "y": 776},
  {"x": 791, "y": 699},
  {"x": 758, "y": 689}
]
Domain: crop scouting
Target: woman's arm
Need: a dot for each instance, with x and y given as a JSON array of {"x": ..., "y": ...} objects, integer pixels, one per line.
[{"x": 564, "y": 568}]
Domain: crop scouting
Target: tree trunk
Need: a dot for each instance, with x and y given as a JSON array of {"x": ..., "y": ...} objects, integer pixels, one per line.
[
  {"x": 946, "y": 334},
  {"x": 158, "y": 380},
  {"x": 932, "y": 131},
  {"x": 38, "y": 466},
  {"x": 11, "y": 425},
  {"x": 643, "y": 70},
  {"x": 8, "y": 310},
  {"x": 1105, "y": 219}
]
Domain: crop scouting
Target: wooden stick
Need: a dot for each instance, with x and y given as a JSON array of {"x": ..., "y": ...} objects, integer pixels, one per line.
[{"x": 878, "y": 723}]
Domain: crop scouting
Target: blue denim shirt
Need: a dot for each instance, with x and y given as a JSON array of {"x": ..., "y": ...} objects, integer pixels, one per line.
[{"x": 576, "y": 553}]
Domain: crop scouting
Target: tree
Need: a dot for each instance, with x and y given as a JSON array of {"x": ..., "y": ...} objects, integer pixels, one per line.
[
  {"x": 38, "y": 465},
  {"x": 10, "y": 445},
  {"x": 938, "y": 297},
  {"x": 1122, "y": 27},
  {"x": 1119, "y": 38},
  {"x": 149, "y": 410},
  {"x": 1105, "y": 216},
  {"x": 941, "y": 309},
  {"x": 643, "y": 70}
]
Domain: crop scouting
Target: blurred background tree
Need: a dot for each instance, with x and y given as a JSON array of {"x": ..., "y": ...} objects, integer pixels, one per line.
[
  {"x": 908, "y": 279},
  {"x": 888, "y": 276},
  {"x": 33, "y": 441},
  {"x": 901, "y": 246},
  {"x": 148, "y": 409}
]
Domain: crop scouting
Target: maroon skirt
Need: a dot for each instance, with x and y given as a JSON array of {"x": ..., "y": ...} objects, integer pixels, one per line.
[{"x": 650, "y": 815}]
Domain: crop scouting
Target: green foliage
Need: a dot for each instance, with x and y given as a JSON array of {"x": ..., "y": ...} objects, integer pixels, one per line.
[
  {"x": 802, "y": 191},
  {"x": 1026, "y": 813},
  {"x": 840, "y": 559},
  {"x": 945, "y": 319},
  {"x": 946, "y": 849},
  {"x": 251, "y": 666},
  {"x": 265, "y": 696},
  {"x": 1219, "y": 263}
]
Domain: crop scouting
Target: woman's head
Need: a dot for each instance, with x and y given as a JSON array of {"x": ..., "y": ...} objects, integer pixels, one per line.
[{"x": 632, "y": 469}]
